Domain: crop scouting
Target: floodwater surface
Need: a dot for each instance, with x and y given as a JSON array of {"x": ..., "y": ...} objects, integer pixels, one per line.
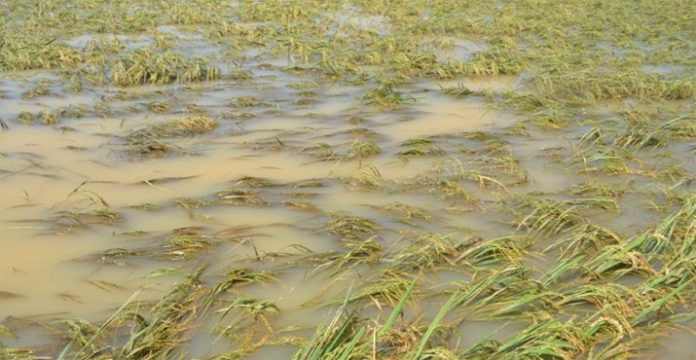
[{"x": 53, "y": 263}]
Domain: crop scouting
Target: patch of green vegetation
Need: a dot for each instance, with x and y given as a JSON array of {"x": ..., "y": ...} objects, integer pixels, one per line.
[
  {"x": 420, "y": 147},
  {"x": 44, "y": 117},
  {"x": 385, "y": 96},
  {"x": 150, "y": 141},
  {"x": 427, "y": 252},
  {"x": 248, "y": 102},
  {"x": 460, "y": 91},
  {"x": 242, "y": 197},
  {"x": 42, "y": 88},
  {"x": 405, "y": 213},
  {"x": 368, "y": 251},
  {"x": 363, "y": 149},
  {"x": 22, "y": 52},
  {"x": 147, "y": 67},
  {"x": 352, "y": 227},
  {"x": 154, "y": 331}
]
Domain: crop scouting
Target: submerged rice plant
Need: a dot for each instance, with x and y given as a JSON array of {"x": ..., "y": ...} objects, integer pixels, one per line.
[{"x": 147, "y": 67}]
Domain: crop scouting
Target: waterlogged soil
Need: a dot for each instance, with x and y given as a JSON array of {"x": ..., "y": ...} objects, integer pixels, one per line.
[
  {"x": 54, "y": 267},
  {"x": 325, "y": 189}
]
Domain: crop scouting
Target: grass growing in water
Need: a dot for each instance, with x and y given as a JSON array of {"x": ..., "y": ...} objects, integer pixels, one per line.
[{"x": 147, "y": 67}]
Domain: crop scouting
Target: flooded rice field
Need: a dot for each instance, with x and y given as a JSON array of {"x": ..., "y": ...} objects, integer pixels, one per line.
[{"x": 347, "y": 180}]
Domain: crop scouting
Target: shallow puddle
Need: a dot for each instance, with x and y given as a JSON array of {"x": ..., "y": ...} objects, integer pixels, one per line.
[{"x": 50, "y": 174}]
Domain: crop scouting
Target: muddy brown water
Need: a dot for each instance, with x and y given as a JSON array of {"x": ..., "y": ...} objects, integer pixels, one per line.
[
  {"x": 46, "y": 170},
  {"x": 49, "y": 272}
]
